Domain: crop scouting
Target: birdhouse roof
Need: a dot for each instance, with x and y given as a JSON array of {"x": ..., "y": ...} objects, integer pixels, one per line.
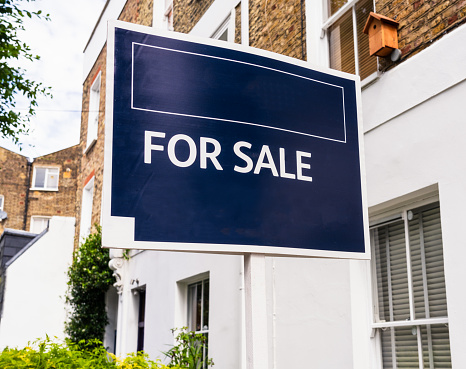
[{"x": 380, "y": 17}]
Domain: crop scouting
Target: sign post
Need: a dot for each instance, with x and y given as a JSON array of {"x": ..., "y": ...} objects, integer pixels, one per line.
[
  {"x": 219, "y": 148},
  {"x": 257, "y": 353}
]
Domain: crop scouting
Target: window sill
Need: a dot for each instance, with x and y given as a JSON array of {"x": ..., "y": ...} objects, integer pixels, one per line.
[
  {"x": 44, "y": 189},
  {"x": 90, "y": 146},
  {"x": 369, "y": 80}
]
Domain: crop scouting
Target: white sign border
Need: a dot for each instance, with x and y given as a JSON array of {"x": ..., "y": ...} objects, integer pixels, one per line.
[{"x": 118, "y": 232}]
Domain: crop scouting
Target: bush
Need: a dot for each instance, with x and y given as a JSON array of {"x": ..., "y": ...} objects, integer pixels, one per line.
[
  {"x": 190, "y": 350},
  {"x": 89, "y": 278},
  {"x": 47, "y": 354}
]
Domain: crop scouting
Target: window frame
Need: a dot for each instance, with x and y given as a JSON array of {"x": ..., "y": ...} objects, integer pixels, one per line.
[
  {"x": 34, "y": 219},
  {"x": 227, "y": 25},
  {"x": 168, "y": 16},
  {"x": 2, "y": 202},
  {"x": 189, "y": 307},
  {"x": 93, "y": 112},
  {"x": 332, "y": 19},
  {"x": 87, "y": 193},
  {"x": 45, "y": 188},
  {"x": 141, "y": 316},
  {"x": 402, "y": 213}
]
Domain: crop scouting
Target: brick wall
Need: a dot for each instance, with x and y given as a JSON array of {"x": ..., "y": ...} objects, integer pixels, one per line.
[
  {"x": 92, "y": 162},
  {"x": 238, "y": 24},
  {"x": 63, "y": 201},
  {"x": 13, "y": 185},
  {"x": 138, "y": 11},
  {"x": 186, "y": 13},
  {"x": 421, "y": 21},
  {"x": 275, "y": 25}
]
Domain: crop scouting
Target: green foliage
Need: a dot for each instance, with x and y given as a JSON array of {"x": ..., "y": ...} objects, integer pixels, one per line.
[
  {"x": 190, "y": 351},
  {"x": 90, "y": 355},
  {"x": 89, "y": 278},
  {"x": 13, "y": 80}
]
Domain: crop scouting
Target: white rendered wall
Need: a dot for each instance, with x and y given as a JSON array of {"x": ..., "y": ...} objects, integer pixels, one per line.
[
  {"x": 415, "y": 127},
  {"x": 308, "y": 303},
  {"x": 35, "y": 287},
  {"x": 160, "y": 273}
]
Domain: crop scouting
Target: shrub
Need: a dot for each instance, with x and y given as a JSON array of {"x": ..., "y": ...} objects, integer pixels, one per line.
[
  {"x": 190, "y": 350},
  {"x": 87, "y": 355},
  {"x": 89, "y": 278}
]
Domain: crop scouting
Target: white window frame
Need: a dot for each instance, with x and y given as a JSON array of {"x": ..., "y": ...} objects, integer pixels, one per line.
[
  {"x": 227, "y": 25},
  {"x": 395, "y": 215},
  {"x": 350, "y": 5},
  {"x": 35, "y": 219},
  {"x": 87, "y": 203},
  {"x": 168, "y": 15},
  {"x": 45, "y": 188},
  {"x": 189, "y": 308},
  {"x": 2, "y": 202},
  {"x": 94, "y": 112}
]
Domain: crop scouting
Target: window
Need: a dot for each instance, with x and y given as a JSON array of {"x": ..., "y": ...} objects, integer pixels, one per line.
[
  {"x": 86, "y": 209},
  {"x": 168, "y": 19},
  {"x": 409, "y": 291},
  {"x": 349, "y": 47},
  {"x": 39, "y": 223},
  {"x": 141, "y": 319},
  {"x": 45, "y": 178},
  {"x": 94, "y": 107},
  {"x": 1, "y": 202},
  {"x": 198, "y": 309},
  {"x": 226, "y": 32}
]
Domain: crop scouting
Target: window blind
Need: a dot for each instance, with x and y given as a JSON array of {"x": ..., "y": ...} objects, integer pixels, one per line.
[
  {"x": 342, "y": 39},
  {"x": 401, "y": 345}
]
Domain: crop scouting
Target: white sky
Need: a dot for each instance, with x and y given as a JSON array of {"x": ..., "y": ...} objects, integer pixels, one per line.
[{"x": 60, "y": 43}]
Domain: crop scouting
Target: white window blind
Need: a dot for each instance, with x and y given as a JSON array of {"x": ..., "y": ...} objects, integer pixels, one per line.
[{"x": 411, "y": 303}]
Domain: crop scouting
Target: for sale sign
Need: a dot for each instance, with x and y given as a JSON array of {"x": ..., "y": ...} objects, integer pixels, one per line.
[{"x": 213, "y": 147}]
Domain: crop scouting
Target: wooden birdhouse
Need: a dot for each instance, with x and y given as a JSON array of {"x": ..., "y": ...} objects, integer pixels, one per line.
[{"x": 383, "y": 36}]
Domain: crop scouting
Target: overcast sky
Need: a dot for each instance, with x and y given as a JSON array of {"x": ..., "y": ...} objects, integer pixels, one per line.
[{"x": 60, "y": 43}]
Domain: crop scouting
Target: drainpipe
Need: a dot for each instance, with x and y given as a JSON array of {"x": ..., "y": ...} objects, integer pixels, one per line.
[{"x": 28, "y": 185}]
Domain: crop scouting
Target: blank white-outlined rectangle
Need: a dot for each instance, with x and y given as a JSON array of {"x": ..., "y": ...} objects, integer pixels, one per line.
[{"x": 136, "y": 107}]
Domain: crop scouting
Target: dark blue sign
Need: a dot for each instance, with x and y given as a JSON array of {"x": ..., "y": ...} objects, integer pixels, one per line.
[{"x": 219, "y": 146}]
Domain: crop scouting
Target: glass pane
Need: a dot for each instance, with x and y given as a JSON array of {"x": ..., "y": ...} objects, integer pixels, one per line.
[
  {"x": 387, "y": 336},
  {"x": 392, "y": 275},
  {"x": 436, "y": 347},
  {"x": 334, "y": 5},
  {"x": 198, "y": 306},
  {"x": 52, "y": 178},
  {"x": 224, "y": 35},
  {"x": 192, "y": 307},
  {"x": 367, "y": 64},
  {"x": 39, "y": 181},
  {"x": 342, "y": 44},
  {"x": 406, "y": 348},
  {"x": 205, "y": 318}
]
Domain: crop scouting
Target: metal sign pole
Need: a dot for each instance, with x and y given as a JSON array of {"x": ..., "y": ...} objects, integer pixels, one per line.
[{"x": 256, "y": 312}]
